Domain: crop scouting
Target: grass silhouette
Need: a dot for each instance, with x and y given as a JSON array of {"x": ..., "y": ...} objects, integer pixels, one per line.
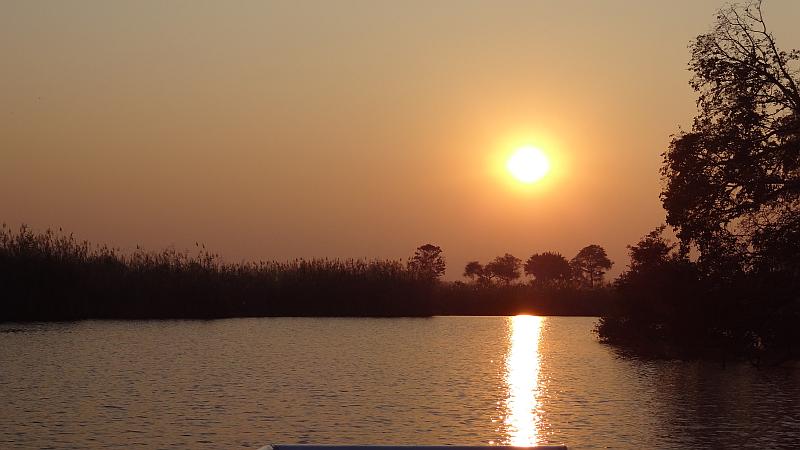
[{"x": 52, "y": 276}]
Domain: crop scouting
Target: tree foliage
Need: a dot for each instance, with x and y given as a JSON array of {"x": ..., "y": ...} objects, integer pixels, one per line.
[
  {"x": 657, "y": 299},
  {"x": 474, "y": 271},
  {"x": 732, "y": 183},
  {"x": 428, "y": 262},
  {"x": 506, "y": 268},
  {"x": 548, "y": 268},
  {"x": 590, "y": 264},
  {"x": 732, "y": 194},
  {"x": 651, "y": 252}
]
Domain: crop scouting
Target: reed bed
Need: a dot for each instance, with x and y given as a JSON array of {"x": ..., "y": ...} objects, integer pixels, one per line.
[{"x": 54, "y": 276}]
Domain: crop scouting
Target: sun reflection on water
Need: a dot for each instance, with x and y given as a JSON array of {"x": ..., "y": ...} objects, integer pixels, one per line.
[{"x": 522, "y": 377}]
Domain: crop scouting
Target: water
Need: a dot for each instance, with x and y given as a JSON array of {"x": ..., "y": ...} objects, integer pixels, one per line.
[{"x": 243, "y": 383}]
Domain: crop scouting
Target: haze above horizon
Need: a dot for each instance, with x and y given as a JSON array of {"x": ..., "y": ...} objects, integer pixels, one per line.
[{"x": 275, "y": 130}]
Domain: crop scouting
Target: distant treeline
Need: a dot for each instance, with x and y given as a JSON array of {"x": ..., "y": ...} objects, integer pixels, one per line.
[
  {"x": 52, "y": 276},
  {"x": 470, "y": 299}
]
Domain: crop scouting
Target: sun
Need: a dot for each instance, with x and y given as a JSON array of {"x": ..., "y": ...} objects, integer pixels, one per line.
[{"x": 528, "y": 164}]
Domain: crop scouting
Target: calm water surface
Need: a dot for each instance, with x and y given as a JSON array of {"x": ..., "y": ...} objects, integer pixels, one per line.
[{"x": 242, "y": 383}]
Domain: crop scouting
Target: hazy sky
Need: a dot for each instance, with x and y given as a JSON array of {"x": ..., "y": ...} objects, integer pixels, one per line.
[{"x": 274, "y": 130}]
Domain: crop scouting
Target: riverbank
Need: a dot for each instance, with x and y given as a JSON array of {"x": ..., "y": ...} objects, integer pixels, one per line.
[{"x": 54, "y": 277}]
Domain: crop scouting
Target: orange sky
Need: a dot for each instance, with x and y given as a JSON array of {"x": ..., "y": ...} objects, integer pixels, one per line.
[{"x": 274, "y": 130}]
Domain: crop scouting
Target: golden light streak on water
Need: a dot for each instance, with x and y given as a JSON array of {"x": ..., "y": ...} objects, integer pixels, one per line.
[{"x": 522, "y": 378}]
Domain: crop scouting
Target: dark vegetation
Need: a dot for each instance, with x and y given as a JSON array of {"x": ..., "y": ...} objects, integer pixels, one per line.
[
  {"x": 52, "y": 276},
  {"x": 730, "y": 286},
  {"x": 470, "y": 299},
  {"x": 559, "y": 286}
]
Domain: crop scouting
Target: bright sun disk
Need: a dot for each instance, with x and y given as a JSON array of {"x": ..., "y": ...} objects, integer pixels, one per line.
[{"x": 528, "y": 164}]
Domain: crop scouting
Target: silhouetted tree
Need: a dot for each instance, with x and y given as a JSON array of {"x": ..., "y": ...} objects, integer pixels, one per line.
[
  {"x": 651, "y": 252},
  {"x": 505, "y": 268},
  {"x": 548, "y": 268},
  {"x": 427, "y": 262},
  {"x": 733, "y": 182},
  {"x": 589, "y": 265},
  {"x": 658, "y": 300},
  {"x": 732, "y": 193},
  {"x": 474, "y": 271}
]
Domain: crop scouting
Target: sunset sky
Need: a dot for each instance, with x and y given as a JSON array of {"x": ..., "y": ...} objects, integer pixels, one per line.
[{"x": 275, "y": 130}]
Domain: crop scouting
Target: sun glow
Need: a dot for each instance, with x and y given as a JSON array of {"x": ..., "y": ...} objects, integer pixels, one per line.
[
  {"x": 522, "y": 378},
  {"x": 528, "y": 164}
]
